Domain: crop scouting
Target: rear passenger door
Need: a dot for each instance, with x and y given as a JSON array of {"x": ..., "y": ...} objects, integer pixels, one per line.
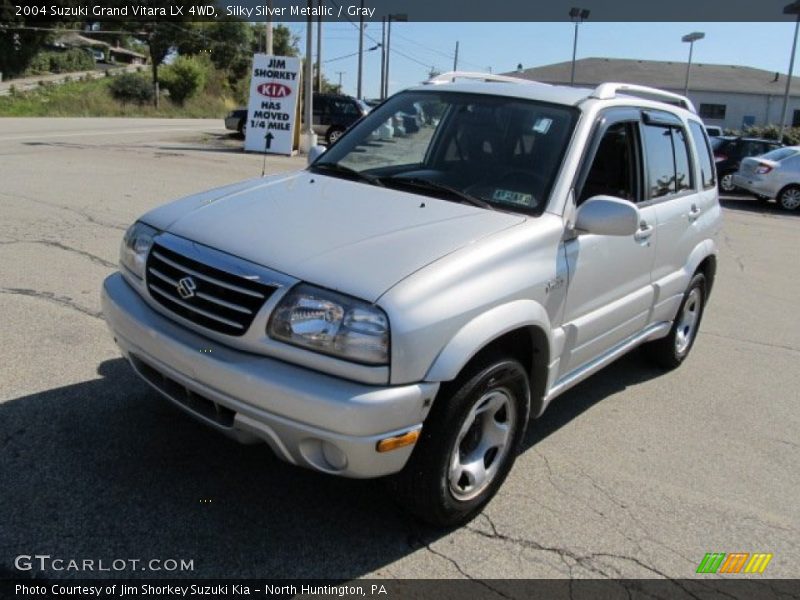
[
  {"x": 609, "y": 294},
  {"x": 681, "y": 188}
]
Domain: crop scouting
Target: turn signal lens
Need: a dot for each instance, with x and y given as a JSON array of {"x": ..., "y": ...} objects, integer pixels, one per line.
[{"x": 398, "y": 441}]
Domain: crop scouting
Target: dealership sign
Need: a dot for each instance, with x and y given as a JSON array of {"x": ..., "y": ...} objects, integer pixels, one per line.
[{"x": 272, "y": 111}]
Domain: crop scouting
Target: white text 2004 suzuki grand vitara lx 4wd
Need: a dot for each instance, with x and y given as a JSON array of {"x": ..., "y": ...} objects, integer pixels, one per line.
[{"x": 407, "y": 302}]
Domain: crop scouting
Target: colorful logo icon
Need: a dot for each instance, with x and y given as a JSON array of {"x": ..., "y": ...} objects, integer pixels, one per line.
[
  {"x": 274, "y": 90},
  {"x": 734, "y": 562}
]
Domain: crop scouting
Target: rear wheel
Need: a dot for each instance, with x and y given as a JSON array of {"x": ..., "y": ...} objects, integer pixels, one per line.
[
  {"x": 670, "y": 352},
  {"x": 726, "y": 183},
  {"x": 789, "y": 198},
  {"x": 334, "y": 133},
  {"x": 468, "y": 444}
]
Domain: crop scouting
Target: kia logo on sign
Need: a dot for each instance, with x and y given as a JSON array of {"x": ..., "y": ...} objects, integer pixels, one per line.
[{"x": 274, "y": 90}]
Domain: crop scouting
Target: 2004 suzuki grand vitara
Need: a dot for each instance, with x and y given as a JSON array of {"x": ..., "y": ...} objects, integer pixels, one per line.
[{"x": 403, "y": 305}]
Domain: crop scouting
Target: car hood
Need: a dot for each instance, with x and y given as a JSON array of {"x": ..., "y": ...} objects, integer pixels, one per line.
[{"x": 344, "y": 235}]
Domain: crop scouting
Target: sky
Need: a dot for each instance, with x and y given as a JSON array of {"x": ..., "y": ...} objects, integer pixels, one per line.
[{"x": 418, "y": 46}]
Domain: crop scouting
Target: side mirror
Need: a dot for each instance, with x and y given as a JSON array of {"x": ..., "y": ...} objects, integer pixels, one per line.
[
  {"x": 606, "y": 215},
  {"x": 314, "y": 153}
]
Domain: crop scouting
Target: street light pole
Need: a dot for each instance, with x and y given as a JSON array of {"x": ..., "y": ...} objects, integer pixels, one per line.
[
  {"x": 360, "y": 51},
  {"x": 578, "y": 16},
  {"x": 319, "y": 49},
  {"x": 789, "y": 9},
  {"x": 389, "y": 19},
  {"x": 691, "y": 38}
]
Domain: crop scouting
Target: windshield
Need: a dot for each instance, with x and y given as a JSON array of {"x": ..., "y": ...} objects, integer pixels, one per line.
[{"x": 491, "y": 151}]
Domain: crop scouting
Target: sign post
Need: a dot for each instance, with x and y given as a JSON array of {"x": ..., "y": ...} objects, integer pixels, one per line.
[{"x": 272, "y": 110}]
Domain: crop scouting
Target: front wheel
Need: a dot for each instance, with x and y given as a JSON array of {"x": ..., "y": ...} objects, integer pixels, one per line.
[
  {"x": 468, "y": 445},
  {"x": 671, "y": 351}
]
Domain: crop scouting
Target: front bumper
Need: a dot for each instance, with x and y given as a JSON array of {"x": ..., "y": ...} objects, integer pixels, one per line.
[
  {"x": 308, "y": 418},
  {"x": 754, "y": 184}
]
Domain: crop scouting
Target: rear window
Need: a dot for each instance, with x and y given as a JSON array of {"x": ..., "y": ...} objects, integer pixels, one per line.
[
  {"x": 780, "y": 154},
  {"x": 706, "y": 160},
  {"x": 717, "y": 142}
]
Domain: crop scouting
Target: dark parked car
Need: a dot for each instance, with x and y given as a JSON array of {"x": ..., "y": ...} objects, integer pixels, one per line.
[
  {"x": 332, "y": 115},
  {"x": 729, "y": 152},
  {"x": 237, "y": 121}
]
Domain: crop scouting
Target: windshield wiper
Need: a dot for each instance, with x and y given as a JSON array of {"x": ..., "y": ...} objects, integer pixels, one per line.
[
  {"x": 336, "y": 168},
  {"x": 432, "y": 186}
]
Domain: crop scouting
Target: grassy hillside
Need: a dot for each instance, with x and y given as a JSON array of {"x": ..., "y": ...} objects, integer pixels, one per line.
[{"x": 92, "y": 99}]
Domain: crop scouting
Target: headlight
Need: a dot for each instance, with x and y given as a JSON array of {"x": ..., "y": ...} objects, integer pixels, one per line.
[
  {"x": 135, "y": 245},
  {"x": 332, "y": 323}
]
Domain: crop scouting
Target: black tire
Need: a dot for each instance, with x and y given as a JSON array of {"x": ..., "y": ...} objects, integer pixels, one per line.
[
  {"x": 669, "y": 352},
  {"x": 334, "y": 133},
  {"x": 424, "y": 487},
  {"x": 242, "y": 128},
  {"x": 789, "y": 198}
]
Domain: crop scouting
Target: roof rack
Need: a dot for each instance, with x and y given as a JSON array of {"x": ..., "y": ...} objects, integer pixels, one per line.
[
  {"x": 453, "y": 75},
  {"x": 606, "y": 91}
]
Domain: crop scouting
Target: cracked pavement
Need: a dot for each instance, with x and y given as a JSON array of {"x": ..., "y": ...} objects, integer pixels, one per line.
[{"x": 635, "y": 473}]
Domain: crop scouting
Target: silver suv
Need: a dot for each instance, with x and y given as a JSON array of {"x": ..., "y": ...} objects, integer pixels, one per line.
[{"x": 403, "y": 305}]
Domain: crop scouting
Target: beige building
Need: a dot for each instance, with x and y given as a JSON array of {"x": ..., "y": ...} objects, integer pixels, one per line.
[{"x": 730, "y": 96}]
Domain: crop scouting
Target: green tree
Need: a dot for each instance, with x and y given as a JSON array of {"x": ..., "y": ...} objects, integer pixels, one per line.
[
  {"x": 184, "y": 78},
  {"x": 284, "y": 42}
]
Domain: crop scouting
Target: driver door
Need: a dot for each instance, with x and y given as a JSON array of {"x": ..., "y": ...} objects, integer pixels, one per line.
[{"x": 610, "y": 292}]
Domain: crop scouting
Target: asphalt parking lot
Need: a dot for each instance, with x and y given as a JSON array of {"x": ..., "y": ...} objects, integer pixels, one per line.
[{"x": 634, "y": 473}]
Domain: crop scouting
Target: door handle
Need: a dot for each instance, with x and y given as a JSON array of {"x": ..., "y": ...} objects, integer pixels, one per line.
[
  {"x": 644, "y": 232},
  {"x": 694, "y": 212}
]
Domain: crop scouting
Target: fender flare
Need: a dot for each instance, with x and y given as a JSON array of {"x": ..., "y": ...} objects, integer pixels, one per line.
[{"x": 482, "y": 330}]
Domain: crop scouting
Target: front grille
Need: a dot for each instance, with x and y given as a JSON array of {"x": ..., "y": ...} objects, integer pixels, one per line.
[
  {"x": 204, "y": 295},
  {"x": 200, "y": 404}
]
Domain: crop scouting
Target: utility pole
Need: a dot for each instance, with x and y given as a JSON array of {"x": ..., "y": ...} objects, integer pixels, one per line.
[
  {"x": 268, "y": 41},
  {"x": 360, "y": 51},
  {"x": 382, "y": 95},
  {"x": 340, "y": 73},
  {"x": 455, "y": 59},
  {"x": 319, "y": 47}
]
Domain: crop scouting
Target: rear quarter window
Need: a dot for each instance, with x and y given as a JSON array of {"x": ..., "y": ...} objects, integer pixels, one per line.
[{"x": 703, "y": 152}]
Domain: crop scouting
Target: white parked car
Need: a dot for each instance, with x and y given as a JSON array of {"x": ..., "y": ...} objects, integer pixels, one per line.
[
  {"x": 775, "y": 174},
  {"x": 404, "y": 305}
]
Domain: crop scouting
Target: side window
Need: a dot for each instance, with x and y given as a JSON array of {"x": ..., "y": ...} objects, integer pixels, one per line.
[
  {"x": 614, "y": 169},
  {"x": 707, "y": 169},
  {"x": 668, "y": 167},
  {"x": 683, "y": 171}
]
